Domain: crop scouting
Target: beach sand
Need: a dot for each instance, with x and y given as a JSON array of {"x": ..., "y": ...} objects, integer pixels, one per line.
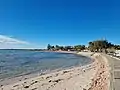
[{"x": 94, "y": 76}]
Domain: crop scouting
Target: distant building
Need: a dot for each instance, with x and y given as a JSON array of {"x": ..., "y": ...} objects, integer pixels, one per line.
[
  {"x": 117, "y": 53},
  {"x": 86, "y": 50}
]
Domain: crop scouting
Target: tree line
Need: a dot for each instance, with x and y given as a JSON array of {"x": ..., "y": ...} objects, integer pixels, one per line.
[
  {"x": 66, "y": 48},
  {"x": 93, "y": 46},
  {"x": 102, "y": 45}
]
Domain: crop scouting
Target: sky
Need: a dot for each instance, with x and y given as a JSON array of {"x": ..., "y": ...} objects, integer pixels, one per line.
[{"x": 36, "y": 23}]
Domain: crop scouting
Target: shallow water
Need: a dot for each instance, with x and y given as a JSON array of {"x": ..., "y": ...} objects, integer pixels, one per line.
[{"x": 20, "y": 62}]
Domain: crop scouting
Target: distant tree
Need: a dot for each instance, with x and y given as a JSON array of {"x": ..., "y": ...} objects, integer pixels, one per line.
[
  {"x": 57, "y": 47},
  {"x": 79, "y": 47},
  {"x": 52, "y": 47},
  {"x": 83, "y": 47},
  {"x": 117, "y": 47},
  {"x": 49, "y": 47},
  {"x": 91, "y": 46},
  {"x": 62, "y": 48},
  {"x": 99, "y": 45}
]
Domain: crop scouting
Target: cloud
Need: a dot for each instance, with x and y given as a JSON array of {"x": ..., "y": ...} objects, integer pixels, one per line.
[
  {"x": 9, "y": 40},
  {"x": 10, "y": 43}
]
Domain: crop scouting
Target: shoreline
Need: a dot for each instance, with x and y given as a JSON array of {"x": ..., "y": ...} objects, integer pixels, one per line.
[
  {"x": 83, "y": 77},
  {"x": 18, "y": 78}
]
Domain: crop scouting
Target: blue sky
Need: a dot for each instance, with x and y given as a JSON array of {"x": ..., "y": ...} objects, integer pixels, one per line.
[{"x": 63, "y": 22}]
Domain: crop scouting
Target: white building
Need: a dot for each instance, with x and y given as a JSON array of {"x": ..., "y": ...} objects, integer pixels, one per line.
[{"x": 117, "y": 52}]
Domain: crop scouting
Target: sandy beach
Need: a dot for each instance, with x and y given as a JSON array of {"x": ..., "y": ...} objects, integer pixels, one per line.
[{"x": 94, "y": 76}]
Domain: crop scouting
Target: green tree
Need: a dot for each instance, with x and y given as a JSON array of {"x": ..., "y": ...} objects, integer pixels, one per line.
[
  {"x": 48, "y": 47},
  {"x": 57, "y": 47},
  {"x": 79, "y": 47},
  {"x": 99, "y": 45}
]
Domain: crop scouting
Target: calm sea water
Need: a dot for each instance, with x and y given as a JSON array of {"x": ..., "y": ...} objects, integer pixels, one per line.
[{"x": 17, "y": 62}]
